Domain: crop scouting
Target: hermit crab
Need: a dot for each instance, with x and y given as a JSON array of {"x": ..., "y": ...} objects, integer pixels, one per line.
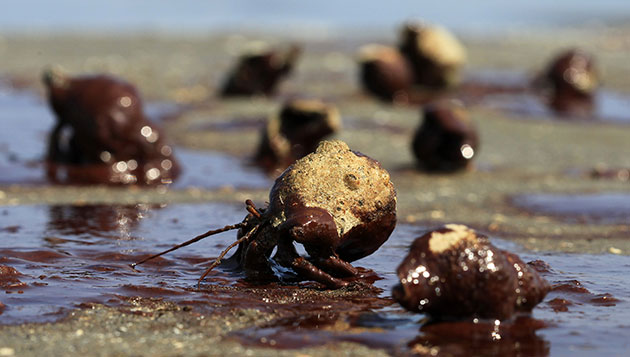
[
  {"x": 339, "y": 204},
  {"x": 102, "y": 134}
]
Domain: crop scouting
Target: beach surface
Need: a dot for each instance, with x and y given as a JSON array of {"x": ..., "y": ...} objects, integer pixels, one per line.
[{"x": 532, "y": 188}]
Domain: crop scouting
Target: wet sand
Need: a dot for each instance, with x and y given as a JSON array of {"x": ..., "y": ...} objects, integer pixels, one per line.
[{"x": 519, "y": 156}]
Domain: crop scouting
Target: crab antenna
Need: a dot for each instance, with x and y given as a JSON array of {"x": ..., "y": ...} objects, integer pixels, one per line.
[
  {"x": 225, "y": 251},
  {"x": 196, "y": 239}
]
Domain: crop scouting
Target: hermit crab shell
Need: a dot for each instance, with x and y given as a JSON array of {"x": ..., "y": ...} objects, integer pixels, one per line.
[
  {"x": 435, "y": 53},
  {"x": 385, "y": 72},
  {"x": 447, "y": 140},
  {"x": 295, "y": 132},
  {"x": 575, "y": 70},
  {"x": 454, "y": 272},
  {"x": 436, "y": 43},
  {"x": 111, "y": 140},
  {"x": 353, "y": 189}
]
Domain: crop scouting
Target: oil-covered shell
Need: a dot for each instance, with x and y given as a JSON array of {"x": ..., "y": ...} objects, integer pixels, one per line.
[
  {"x": 295, "y": 132},
  {"x": 111, "y": 140},
  {"x": 447, "y": 139},
  {"x": 453, "y": 272},
  {"x": 260, "y": 72},
  {"x": 435, "y": 54},
  {"x": 350, "y": 188},
  {"x": 571, "y": 80},
  {"x": 573, "y": 70},
  {"x": 385, "y": 73}
]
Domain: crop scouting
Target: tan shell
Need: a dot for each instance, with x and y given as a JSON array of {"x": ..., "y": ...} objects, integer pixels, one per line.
[
  {"x": 440, "y": 242},
  {"x": 441, "y": 46},
  {"x": 374, "y": 52},
  {"x": 280, "y": 145},
  {"x": 334, "y": 178}
]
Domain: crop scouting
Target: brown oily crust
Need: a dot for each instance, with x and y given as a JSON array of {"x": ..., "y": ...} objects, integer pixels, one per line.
[
  {"x": 295, "y": 132},
  {"x": 453, "y": 272},
  {"x": 9, "y": 277},
  {"x": 573, "y": 71},
  {"x": 260, "y": 73},
  {"x": 111, "y": 140},
  {"x": 385, "y": 72},
  {"x": 531, "y": 286},
  {"x": 447, "y": 139},
  {"x": 377, "y": 225},
  {"x": 571, "y": 80}
]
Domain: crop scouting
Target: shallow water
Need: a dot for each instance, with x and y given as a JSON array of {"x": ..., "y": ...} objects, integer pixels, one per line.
[
  {"x": 509, "y": 91},
  {"x": 608, "y": 207},
  {"x": 66, "y": 256},
  {"x": 25, "y": 125},
  {"x": 26, "y": 121},
  {"x": 73, "y": 254},
  {"x": 609, "y": 106},
  {"x": 69, "y": 255}
]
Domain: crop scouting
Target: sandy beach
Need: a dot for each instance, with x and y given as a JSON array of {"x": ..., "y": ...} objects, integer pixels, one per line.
[{"x": 521, "y": 156}]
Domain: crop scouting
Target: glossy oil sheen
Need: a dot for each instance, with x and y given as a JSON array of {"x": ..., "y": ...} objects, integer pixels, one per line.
[
  {"x": 56, "y": 258},
  {"x": 26, "y": 121},
  {"x": 71, "y": 255}
]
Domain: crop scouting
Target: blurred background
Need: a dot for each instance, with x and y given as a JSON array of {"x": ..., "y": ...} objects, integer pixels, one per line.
[
  {"x": 314, "y": 18},
  {"x": 554, "y": 185}
]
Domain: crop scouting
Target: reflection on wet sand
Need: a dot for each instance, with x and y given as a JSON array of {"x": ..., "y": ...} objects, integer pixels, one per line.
[
  {"x": 81, "y": 255},
  {"x": 493, "y": 338},
  {"x": 89, "y": 221}
]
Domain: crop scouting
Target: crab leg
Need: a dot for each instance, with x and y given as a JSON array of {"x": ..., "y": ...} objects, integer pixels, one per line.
[
  {"x": 224, "y": 252},
  {"x": 336, "y": 266},
  {"x": 288, "y": 257}
]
